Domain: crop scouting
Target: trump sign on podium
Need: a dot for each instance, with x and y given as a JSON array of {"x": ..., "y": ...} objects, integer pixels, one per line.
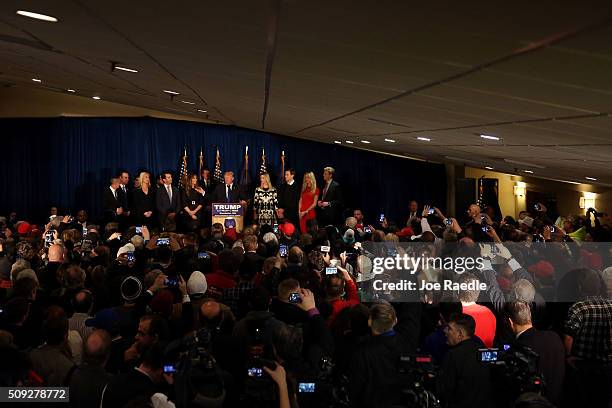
[{"x": 230, "y": 215}]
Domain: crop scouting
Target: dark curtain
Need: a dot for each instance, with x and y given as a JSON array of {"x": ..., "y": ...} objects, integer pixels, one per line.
[{"x": 67, "y": 162}]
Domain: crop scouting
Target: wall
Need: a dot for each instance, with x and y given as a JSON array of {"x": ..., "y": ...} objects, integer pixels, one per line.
[{"x": 568, "y": 195}]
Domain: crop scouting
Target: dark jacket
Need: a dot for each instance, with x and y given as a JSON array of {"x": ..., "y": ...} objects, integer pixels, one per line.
[
  {"x": 237, "y": 194},
  {"x": 162, "y": 201},
  {"x": 86, "y": 385},
  {"x": 125, "y": 387},
  {"x": 551, "y": 362},
  {"x": 288, "y": 200},
  {"x": 373, "y": 372},
  {"x": 331, "y": 214},
  {"x": 463, "y": 381},
  {"x": 111, "y": 203}
]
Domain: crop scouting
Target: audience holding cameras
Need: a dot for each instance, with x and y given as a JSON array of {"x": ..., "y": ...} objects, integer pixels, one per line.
[{"x": 284, "y": 317}]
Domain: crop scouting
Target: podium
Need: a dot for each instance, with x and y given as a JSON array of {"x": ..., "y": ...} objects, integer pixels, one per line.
[{"x": 228, "y": 214}]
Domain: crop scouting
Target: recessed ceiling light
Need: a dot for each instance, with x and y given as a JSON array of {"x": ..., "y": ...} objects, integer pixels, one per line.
[
  {"x": 36, "y": 80},
  {"x": 349, "y": 142},
  {"x": 201, "y": 110},
  {"x": 97, "y": 98},
  {"x": 188, "y": 102},
  {"x": 528, "y": 171},
  {"x": 591, "y": 178},
  {"x": 488, "y": 167},
  {"x": 489, "y": 137},
  {"x": 171, "y": 92},
  {"x": 337, "y": 142},
  {"x": 390, "y": 140},
  {"x": 425, "y": 139},
  {"x": 37, "y": 16},
  {"x": 365, "y": 141},
  {"x": 70, "y": 90},
  {"x": 569, "y": 182},
  {"x": 125, "y": 69}
]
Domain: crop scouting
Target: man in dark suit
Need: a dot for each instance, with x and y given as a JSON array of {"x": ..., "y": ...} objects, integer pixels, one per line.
[
  {"x": 206, "y": 181},
  {"x": 463, "y": 380},
  {"x": 289, "y": 198},
  {"x": 124, "y": 196},
  {"x": 229, "y": 192},
  {"x": 329, "y": 206},
  {"x": 547, "y": 344},
  {"x": 167, "y": 199},
  {"x": 112, "y": 204},
  {"x": 140, "y": 382}
]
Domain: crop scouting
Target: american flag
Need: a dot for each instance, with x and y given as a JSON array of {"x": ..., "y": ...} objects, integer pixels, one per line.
[
  {"x": 218, "y": 176},
  {"x": 183, "y": 170},
  {"x": 262, "y": 168},
  {"x": 201, "y": 163}
]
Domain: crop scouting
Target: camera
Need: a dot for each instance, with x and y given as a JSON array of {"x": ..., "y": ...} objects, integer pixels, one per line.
[
  {"x": 169, "y": 368},
  {"x": 485, "y": 228},
  {"x": 331, "y": 270},
  {"x": 448, "y": 222},
  {"x": 282, "y": 250},
  {"x": 130, "y": 256},
  {"x": 325, "y": 248},
  {"x": 513, "y": 369},
  {"x": 417, "y": 376},
  {"x": 537, "y": 207},
  {"x": 203, "y": 255},
  {"x": 275, "y": 228},
  {"x": 294, "y": 298},
  {"x": 367, "y": 230},
  {"x": 163, "y": 241},
  {"x": 431, "y": 211},
  {"x": 171, "y": 282},
  {"x": 139, "y": 230},
  {"x": 256, "y": 372},
  {"x": 382, "y": 217}
]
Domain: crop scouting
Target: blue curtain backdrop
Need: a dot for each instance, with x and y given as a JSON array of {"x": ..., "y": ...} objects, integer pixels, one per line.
[{"x": 67, "y": 162}]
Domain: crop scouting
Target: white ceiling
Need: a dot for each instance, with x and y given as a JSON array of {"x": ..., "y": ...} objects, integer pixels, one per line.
[{"x": 536, "y": 74}]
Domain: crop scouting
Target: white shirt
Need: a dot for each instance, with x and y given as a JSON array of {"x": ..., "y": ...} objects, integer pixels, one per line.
[
  {"x": 114, "y": 191},
  {"x": 291, "y": 182},
  {"x": 169, "y": 190}
]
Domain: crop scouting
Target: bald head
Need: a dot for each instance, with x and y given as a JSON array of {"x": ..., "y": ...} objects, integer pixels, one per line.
[
  {"x": 210, "y": 310},
  {"x": 96, "y": 350},
  {"x": 56, "y": 253}
]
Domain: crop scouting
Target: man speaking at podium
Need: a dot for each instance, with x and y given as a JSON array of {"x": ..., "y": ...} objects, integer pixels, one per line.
[{"x": 229, "y": 192}]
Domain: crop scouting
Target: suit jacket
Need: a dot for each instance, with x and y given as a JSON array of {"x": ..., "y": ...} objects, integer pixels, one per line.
[
  {"x": 208, "y": 186},
  {"x": 111, "y": 203},
  {"x": 162, "y": 201},
  {"x": 288, "y": 200},
  {"x": 332, "y": 213},
  {"x": 236, "y": 194},
  {"x": 551, "y": 361},
  {"x": 125, "y": 387},
  {"x": 124, "y": 198}
]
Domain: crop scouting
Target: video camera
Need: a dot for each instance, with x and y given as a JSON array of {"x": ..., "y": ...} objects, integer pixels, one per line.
[
  {"x": 418, "y": 374},
  {"x": 514, "y": 370},
  {"x": 197, "y": 379}
]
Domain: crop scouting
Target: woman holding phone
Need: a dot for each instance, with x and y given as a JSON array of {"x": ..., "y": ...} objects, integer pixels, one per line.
[{"x": 308, "y": 200}]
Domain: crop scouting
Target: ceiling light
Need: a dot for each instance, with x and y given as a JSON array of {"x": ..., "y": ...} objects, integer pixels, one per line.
[
  {"x": 70, "y": 90},
  {"x": 37, "y": 16},
  {"x": 171, "y": 92},
  {"x": 569, "y": 182},
  {"x": 337, "y": 142},
  {"x": 591, "y": 178},
  {"x": 488, "y": 167},
  {"x": 188, "y": 102},
  {"x": 36, "y": 80},
  {"x": 125, "y": 69},
  {"x": 528, "y": 171},
  {"x": 365, "y": 141},
  {"x": 390, "y": 140},
  {"x": 522, "y": 163},
  {"x": 349, "y": 142},
  {"x": 97, "y": 98},
  {"x": 201, "y": 110},
  {"x": 489, "y": 137},
  {"x": 425, "y": 139}
]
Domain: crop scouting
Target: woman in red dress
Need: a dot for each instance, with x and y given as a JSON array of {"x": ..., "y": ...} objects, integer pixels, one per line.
[{"x": 308, "y": 200}]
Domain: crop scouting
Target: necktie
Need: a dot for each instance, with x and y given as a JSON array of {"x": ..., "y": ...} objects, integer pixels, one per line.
[
  {"x": 325, "y": 190},
  {"x": 169, "y": 190},
  {"x": 227, "y": 193},
  {"x": 115, "y": 194}
]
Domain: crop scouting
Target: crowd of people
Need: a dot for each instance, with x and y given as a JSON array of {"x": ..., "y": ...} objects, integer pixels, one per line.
[{"x": 151, "y": 305}]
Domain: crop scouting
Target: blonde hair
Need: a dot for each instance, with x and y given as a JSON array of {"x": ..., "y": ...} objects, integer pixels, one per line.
[
  {"x": 313, "y": 180},
  {"x": 141, "y": 178},
  {"x": 266, "y": 176}
]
